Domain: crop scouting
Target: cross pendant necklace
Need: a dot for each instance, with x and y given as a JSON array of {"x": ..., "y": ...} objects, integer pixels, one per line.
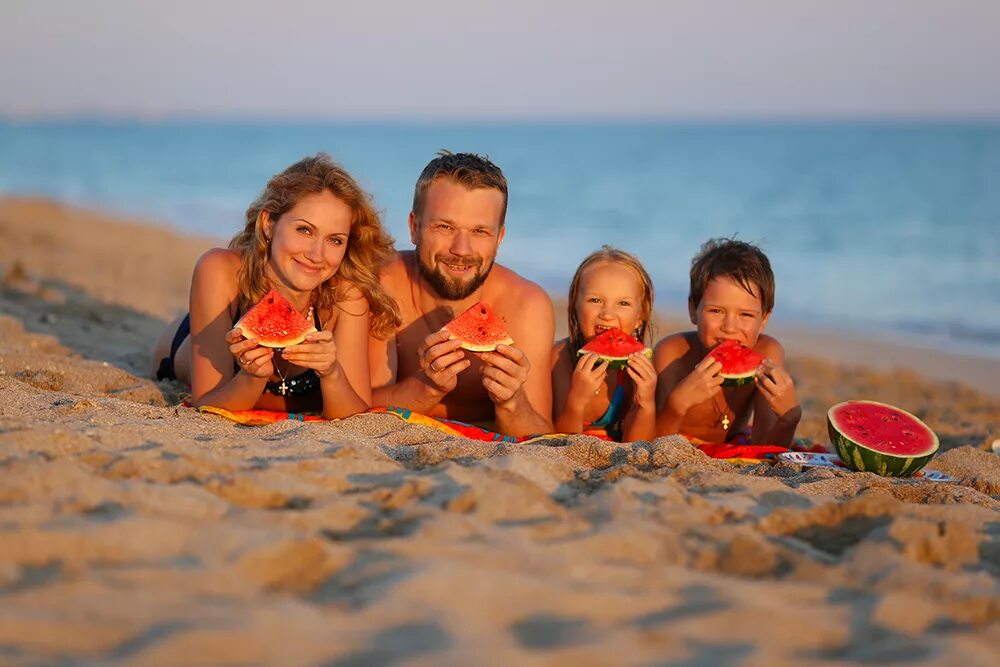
[
  {"x": 723, "y": 413},
  {"x": 283, "y": 387}
]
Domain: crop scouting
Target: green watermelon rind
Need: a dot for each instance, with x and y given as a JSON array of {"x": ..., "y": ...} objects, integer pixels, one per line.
[
  {"x": 617, "y": 363},
  {"x": 738, "y": 380},
  {"x": 458, "y": 329},
  {"x": 857, "y": 456}
]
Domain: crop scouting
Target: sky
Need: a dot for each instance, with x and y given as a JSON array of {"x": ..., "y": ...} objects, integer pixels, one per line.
[{"x": 531, "y": 59}]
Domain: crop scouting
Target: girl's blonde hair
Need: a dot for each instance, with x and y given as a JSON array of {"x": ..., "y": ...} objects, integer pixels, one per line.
[
  {"x": 369, "y": 246},
  {"x": 610, "y": 255}
]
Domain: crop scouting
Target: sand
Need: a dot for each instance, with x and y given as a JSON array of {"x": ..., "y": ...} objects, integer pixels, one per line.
[{"x": 134, "y": 531}]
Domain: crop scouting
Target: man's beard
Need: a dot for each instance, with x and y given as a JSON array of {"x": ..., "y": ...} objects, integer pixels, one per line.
[{"x": 453, "y": 289}]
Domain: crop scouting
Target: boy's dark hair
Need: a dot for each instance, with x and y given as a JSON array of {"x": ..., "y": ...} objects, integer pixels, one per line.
[
  {"x": 743, "y": 262},
  {"x": 468, "y": 169}
]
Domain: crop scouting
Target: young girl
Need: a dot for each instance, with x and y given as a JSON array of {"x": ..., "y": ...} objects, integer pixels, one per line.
[
  {"x": 314, "y": 236},
  {"x": 609, "y": 289}
]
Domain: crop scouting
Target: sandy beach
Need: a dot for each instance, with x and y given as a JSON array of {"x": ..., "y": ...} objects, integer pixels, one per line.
[{"x": 135, "y": 531}]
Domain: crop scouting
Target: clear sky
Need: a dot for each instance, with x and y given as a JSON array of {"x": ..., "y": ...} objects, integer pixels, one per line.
[{"x": 466, "y": 59}]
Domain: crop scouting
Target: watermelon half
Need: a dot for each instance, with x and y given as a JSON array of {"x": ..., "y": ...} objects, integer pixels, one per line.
[
  {"x": 739, "y": 362},
  {"x": 274, "y": 322},
  {"x": 614, "y": 346},
  {"x": 880, "y": 438},
  {"x": 479, "y": 329}
]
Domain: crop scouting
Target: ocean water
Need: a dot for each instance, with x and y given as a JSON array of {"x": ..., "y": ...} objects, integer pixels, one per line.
[{"x": 888, "y": 228}]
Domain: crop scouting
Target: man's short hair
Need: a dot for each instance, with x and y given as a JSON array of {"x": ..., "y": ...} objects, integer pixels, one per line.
[
  {"x": 742, "y": 262},
  {"x": 468, "y": 169}
]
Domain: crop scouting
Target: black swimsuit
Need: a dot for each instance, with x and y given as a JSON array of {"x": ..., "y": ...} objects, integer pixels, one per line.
[{"x": 304, "y": 383}]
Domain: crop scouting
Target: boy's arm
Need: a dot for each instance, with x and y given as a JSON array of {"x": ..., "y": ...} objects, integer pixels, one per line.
[
  {"x": 776, "y": 405},
  {"x": 668, "y": 362}
]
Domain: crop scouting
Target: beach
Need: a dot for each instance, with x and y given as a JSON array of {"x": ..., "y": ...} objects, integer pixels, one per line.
[{"x": 136, "y": 531}]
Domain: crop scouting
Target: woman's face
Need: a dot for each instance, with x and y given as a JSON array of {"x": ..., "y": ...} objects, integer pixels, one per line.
[{"x": 308, "y": 242}]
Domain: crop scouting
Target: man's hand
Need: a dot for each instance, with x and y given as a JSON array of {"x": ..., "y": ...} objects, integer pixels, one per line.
[
  {"x": 701, "y": 384},
  {"x": 504, "y": 372},
  {"x": 442, "y": 360}
]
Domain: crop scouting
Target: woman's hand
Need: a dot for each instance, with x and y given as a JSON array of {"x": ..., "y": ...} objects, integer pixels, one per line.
[
  {"x": 700, "y": 385},
  {"x": 252, "y": 358},
  {"x": 588, "y": 376},
  {"x": 317, "y": 352}
]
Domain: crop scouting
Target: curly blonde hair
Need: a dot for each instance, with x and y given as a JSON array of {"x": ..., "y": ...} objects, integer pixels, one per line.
[
  {"x": 610, "y": 255},
  {"x": 369, "y": 246}
]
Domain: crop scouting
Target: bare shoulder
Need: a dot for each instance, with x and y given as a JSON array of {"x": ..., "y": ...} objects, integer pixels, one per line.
[
  {"x": 769, "y": 347},
  {"x": 560, "y": 352},
  {"x": 516, "y": 293},
  {"x": 673, "y": 347},
  {"x": 396, "y": 276},
  {"x": 218, "y": 260}
]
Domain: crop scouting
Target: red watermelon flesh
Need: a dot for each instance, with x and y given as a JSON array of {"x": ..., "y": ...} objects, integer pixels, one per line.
[
  {"x": 274, "y": 322},
  {"x": 614, "y": 346},
  {"x": 880, "y": 438},
  {"x": 739, "y": 362},
  {"x": 479, "y": 329}
]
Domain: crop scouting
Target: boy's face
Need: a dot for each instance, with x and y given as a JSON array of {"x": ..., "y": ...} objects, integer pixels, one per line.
[{"x": 727, "y": 311}]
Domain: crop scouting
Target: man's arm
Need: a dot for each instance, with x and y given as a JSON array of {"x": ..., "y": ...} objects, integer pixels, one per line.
[
  {"x": 528, "y": 409},
  {"x": 441, "y": 362}
]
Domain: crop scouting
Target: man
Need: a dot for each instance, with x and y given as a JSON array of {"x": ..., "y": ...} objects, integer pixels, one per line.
[{"x": 456, "y": 226}]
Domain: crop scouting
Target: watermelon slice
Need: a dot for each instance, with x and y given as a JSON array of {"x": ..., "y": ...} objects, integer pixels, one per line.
[
  {"x": 479, "y": 329},
  {"x": 614, "y": 346},
  {"x": 880, "y": 438},
  {"x": 274, "y": 322},
  {"x": 739, "y": 362}
]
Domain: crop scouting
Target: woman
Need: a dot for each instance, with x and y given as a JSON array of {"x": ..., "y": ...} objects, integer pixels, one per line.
[{"x": 314, "y": 236}]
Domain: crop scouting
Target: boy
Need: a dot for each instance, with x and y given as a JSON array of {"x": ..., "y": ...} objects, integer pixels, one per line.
[{"x": 731, "y": 297}]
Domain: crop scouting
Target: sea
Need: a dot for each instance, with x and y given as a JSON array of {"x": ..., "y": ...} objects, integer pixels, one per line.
[{"x": 888, "y": 229}]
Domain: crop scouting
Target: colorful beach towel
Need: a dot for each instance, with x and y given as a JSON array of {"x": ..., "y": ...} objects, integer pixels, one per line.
[
  {"x": 260, "y": 417},
  {"x": 741, "y": 450}
]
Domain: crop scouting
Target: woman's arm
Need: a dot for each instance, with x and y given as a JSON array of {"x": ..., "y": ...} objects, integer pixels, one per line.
[{"x": 214, "y": 290}]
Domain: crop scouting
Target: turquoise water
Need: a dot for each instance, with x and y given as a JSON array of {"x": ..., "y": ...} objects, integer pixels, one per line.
[{"x": 881, "y": 227}]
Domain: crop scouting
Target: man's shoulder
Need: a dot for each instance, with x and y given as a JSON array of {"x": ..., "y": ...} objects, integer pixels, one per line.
[{"x": 516, "y": 290}]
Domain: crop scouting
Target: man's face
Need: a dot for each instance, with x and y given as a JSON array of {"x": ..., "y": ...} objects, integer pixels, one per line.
[{"x": 457, "y": 237}]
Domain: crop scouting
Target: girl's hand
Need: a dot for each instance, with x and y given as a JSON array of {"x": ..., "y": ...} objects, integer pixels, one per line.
[
  {"x": 317, "y": 352},
  {"x": 252, "y": 358},
  {"x": 588, "y": 377},
  {"x": 777, "y": 388},
  {"x": 700, "y": 385},
  {"x": 640, "y": 369}
]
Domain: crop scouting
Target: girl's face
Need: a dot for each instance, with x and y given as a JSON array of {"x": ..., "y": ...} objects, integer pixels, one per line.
[
  {"x": 727, "y": 311},
  {"x": 309, "y": 241},
  {"x": 610, "y": 296}
]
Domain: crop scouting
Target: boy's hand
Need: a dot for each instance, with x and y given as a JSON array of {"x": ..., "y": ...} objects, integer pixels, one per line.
[
  {"x": 642, "y": 372},
  {"x": 588, "y": 376},
  {"x": 701, "y": 384},
  {"x": 777, "y": 388}
]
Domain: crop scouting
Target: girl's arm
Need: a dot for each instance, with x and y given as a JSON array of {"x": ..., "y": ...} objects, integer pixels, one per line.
[
  {"x": 574, "y": 383},
  {"x": 214, "y": 290},
  {"x": 640, "y": 421}
]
